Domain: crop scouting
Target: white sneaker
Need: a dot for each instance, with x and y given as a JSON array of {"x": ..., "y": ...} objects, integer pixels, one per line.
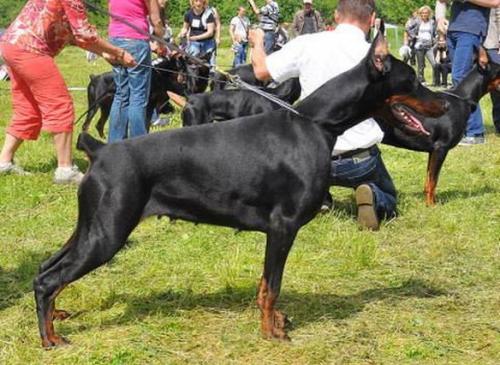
[
  {"x": 11, "y": 168},
  {"x": 68, "y": 175}
]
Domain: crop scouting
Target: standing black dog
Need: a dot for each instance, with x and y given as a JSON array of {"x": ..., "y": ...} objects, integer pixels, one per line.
[
  {"x": 267, "y": 173},
  {"x": 229, "y": 104},
  {"x": 445, "y": 132}
]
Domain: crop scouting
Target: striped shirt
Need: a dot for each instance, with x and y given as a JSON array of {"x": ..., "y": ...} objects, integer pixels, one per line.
[{"x": 269, "y": 16}]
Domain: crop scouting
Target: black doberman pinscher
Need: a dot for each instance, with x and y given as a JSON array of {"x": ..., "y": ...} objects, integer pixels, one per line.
[
  {"x": 230, "y": 104},
  {"x": 176, "y": 74},
  {"x": 220, "y": 81},
  {"x": 445, "y": 132},
  {"x": 266, "y": 173}
]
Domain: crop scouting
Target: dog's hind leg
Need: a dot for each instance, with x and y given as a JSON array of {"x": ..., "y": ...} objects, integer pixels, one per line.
[
  {"x": 105, "y": 110},
  {"x": 87, "y": 250},
  {"x": 280, "y": 237},
  {"x": 434, "y": 164}
]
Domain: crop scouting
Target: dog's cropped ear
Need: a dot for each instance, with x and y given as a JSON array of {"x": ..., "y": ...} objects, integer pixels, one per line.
[
  {"x": 379, "y": 56},
  {"x": 483, "y": 59},
  {"x": 381, "y": 29}
]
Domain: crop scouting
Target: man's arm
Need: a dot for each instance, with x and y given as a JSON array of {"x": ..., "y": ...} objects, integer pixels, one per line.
[
  {"x": 184, "y": 30},
  {"x": 321, "y": 23},
  {"x": 155, "y": 17},
  {"x": 217, "y": 26},
  {"x": 232, "y": 28},
  {"x": 208, "y": 34},
  {"x": 256, "y": 38},
  {"x": 254, "y": 7},
  {"x": 295, "y": 24}
]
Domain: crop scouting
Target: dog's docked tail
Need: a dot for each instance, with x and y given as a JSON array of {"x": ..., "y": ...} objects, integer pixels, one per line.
[{"x": 88, "y": 144}]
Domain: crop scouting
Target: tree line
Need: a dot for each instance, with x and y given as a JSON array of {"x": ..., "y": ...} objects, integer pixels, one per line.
[{"x": 393, "y": 11}]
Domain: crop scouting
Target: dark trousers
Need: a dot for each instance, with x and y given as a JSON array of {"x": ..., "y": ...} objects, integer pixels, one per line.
[
  {"x": 440, "y": 74},
  {"x": 495, "y": 95},
  {"x": 351, "y": 172}
]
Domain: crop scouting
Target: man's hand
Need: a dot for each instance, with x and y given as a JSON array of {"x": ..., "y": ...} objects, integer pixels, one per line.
[
  {"x": 442, "y": 25},
  {"x": 256, "y": 37},
  {"x": 123, "y": 58}
]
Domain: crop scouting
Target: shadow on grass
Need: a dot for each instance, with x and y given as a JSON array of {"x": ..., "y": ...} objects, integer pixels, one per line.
[
  {"x": 15, "y": 283},
  {"x": 303, "y": 308},
  {"x": 451, "y": 195}
]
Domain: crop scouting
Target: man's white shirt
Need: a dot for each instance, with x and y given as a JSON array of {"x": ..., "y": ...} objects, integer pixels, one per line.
[{"x": 317, "y": 58}]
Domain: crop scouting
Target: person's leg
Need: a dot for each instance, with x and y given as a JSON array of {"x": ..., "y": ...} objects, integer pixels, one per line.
[
  {"x": 10, "y": 146},
  {"x": 140, "y": 84},
  {"x": 269, "y": 40},
  {"x": 358, "y": 173},
  {"x": 465, "y": 45},
  {"x": 495, "y": 95},
  {"x": 244, "y": 50},
  {"x": 26, "y": 121},
  {"x": 194, "y": 48},
  {"x": 118, "y": 116},
  {"x": 429, "y": 55},
  {"x": 420, "y": 65}
]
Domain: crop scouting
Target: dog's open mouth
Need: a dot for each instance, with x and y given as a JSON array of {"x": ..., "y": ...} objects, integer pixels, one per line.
[{"x": 407, "y": 116}]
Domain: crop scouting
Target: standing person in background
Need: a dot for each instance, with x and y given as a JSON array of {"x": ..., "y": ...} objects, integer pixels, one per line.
[
  {"x": 238, "y": 29},
  {"x": 443, "y": 64},
  {"x": 466, "y": 30},
  {"x": 426, "y": 32},
  {"x": 410, "y": 36},
  {"x": 492, "y": 46},
  {"x": 307, "y": 20},
  {"x": 217, "y": 30},
  {"x": 128, "y": 111},
  {"x": 199, "y": 28},
  {"x": 40, "y": 97},
  {"x": 269, "y": 16}
]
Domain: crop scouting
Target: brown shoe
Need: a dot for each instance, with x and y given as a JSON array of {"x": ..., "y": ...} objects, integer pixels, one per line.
[{"x": 365, "y": 200}]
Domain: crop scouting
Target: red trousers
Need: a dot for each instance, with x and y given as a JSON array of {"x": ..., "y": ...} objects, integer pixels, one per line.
[{"x": 40, "y": 97}]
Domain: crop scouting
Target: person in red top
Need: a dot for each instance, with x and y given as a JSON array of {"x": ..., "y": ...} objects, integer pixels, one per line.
[{"x": 40, "y": 98}]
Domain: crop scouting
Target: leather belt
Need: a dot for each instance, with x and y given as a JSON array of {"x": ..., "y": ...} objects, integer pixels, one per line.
[{"x": 359, "y": 154}]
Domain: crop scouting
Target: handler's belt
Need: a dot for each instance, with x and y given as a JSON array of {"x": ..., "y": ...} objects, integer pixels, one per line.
[{"x": 359, "y": 154}]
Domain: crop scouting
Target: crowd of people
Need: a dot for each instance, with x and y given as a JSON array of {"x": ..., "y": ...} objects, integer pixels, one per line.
[
  {"x": 41, "y": 99},
  {"x": 450, "y": 46}
]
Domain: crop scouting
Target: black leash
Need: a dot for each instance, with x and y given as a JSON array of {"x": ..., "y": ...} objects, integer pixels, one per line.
[
  {"x": 461, "y": 98},
  {"x": 93, "y": 106},
  {"x": 234, "y": 79}
]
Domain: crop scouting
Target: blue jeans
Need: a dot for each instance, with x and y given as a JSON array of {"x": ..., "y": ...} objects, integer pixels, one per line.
[
  {"x": 495, "y": 95},
  {"x": 128, "y": 112},
  {"x": 269, "y": 41},
  {"x": 240, "y": 54},
  {"x": 197, "y": 48},
  {"x": 462, "y": 46},
  {"x": 352, "y": 172}
]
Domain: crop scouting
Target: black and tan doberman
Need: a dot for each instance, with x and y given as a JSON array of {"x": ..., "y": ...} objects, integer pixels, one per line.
[{"x": 266, "y": 173}]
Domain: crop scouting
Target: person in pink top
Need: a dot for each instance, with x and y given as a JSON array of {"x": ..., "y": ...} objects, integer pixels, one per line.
[
  {"x": 128, "y": 111},
  {"x": 40, "y": 98}
]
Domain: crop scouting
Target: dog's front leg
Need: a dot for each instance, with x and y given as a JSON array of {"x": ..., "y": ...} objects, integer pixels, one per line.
[
  {"x": 273, "y": 322},
  {"x": 434, "y": 164}
]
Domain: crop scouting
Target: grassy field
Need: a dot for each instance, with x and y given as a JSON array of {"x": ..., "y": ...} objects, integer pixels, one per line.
[{"x": 423, "y": 290}]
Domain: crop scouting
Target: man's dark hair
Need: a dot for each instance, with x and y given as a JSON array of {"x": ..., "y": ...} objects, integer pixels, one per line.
[{"x": 356, "y": 9}]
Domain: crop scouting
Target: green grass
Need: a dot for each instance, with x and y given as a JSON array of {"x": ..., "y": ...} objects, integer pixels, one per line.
[{"x": 422, "y": 290}]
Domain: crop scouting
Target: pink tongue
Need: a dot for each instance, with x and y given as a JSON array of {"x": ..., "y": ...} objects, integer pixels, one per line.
[{"x": 417, "y": 125}]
